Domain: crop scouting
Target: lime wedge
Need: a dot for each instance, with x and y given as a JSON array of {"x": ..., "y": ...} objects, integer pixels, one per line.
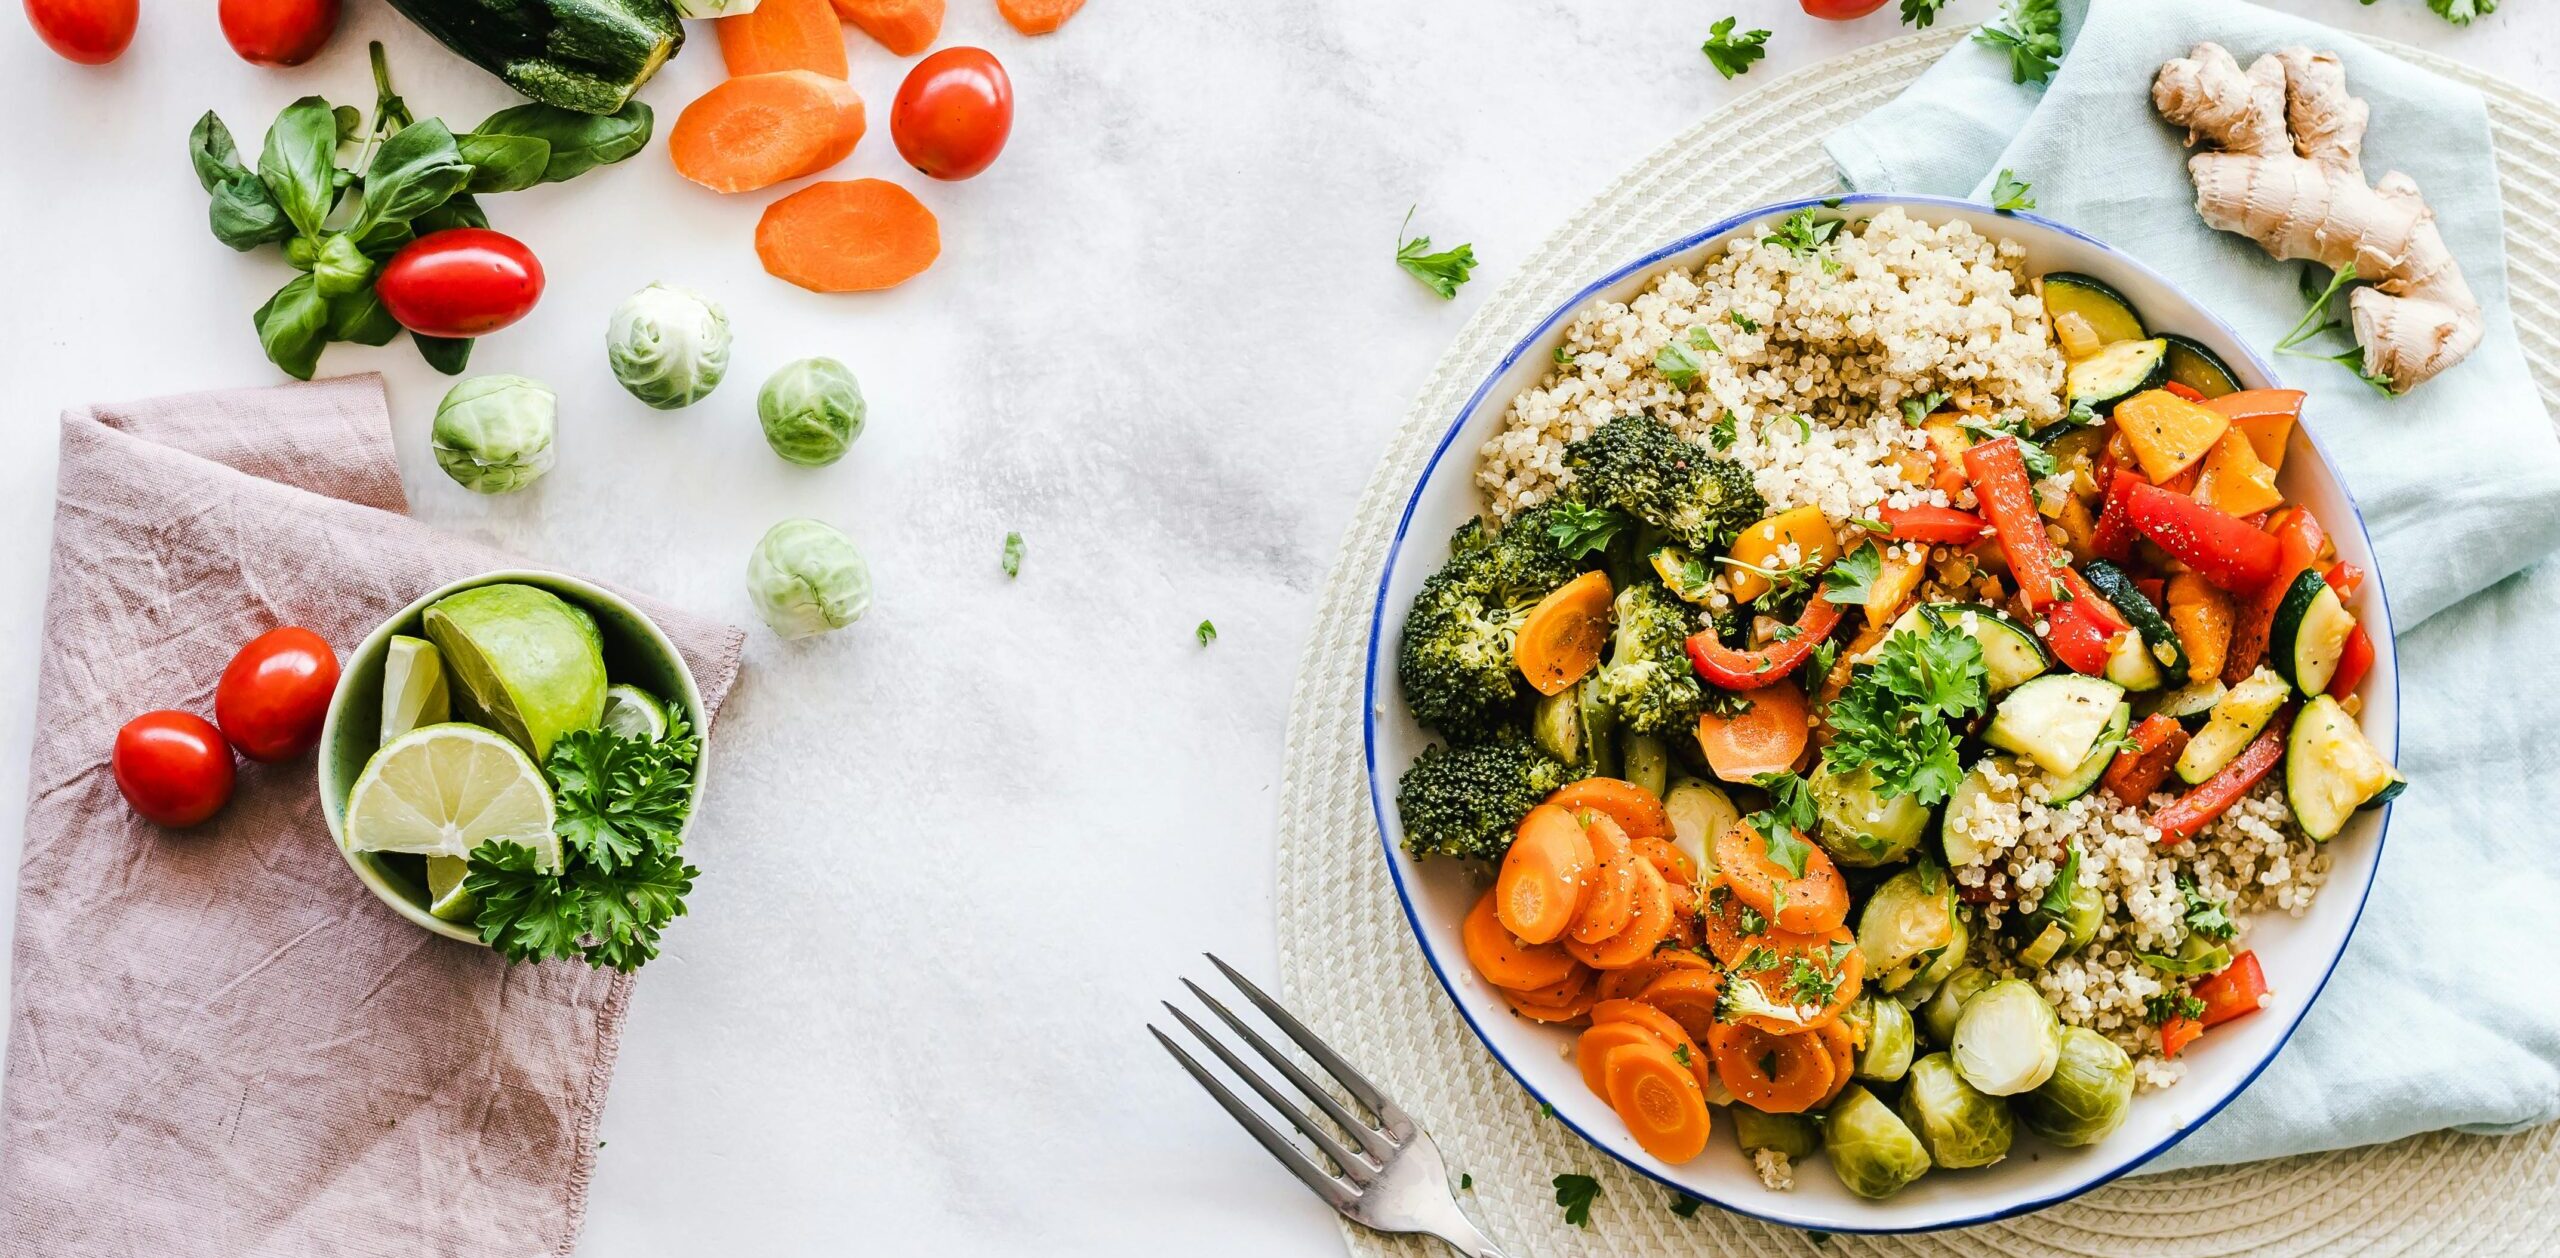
[
  {"x": 530, "y": 661},
  {"x": 443, "y": 790},
  {"x": 634, "y": 713},
  {"x": 445, "y": 896},
  {"x": 413, "y": 688}
]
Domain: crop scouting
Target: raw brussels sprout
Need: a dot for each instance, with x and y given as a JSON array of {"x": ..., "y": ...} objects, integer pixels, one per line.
[
  {"x": 1795, "y": 1135},
  {"x": 1887, "y": 1052},
  {"x": 1937, "y": 1015},
  {"x": 812, "y": 410},
  {"x": 493, "y": 434},
  {"x": 1960, "y": 1126},
  {"x": 669, "y": 346},
  {"x": 1907, "y": 925},
  {"x": 2007, "y": 1040},
  {"x": 2088, "y": 1095},
  {"x": 806, "y": 578},
  {"x": 1861, "y": 826},
  {"x": 1872, "y": 1152}
]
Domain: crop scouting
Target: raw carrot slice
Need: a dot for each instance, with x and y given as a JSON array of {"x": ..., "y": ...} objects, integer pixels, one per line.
[
  {"x": 1624, "y": 984},
  {"x": 1591, "y": 1050},
  {"x": 905, "y": 27},
  {"x": 1560, "y": 640},
  {"x": 1775, "y": 1074},
  {"x": 1504, "y": 960},
  {"x": 1636, "y": 810},
  {"x": 1767, "y": 737},
  {"x": 784, "y": 35},
  {"x": 1687, "y": 997},
  {"x": 1808, "y": 903},
  {"x": 1667, "y": 859},
  {"x": 1038, "y": 17},
  {"x": 757, "y": 130},
  {"x": 854, "y": 235},
  {"x": 1544, "y": 876},
  {"x": 1843, "y": 1043},
  {"x": 1651, "y": 926},
  {"x": 1611, "y": 902},
  {"x": 1660, "y": 1100}
]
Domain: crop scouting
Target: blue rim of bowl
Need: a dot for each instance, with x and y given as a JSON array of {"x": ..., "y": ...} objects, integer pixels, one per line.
[{"x": 1537, "y": 335}]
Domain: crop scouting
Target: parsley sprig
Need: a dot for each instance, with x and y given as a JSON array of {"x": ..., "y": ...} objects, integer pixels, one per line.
[
  {"x": 1920, "y": 13},
  {"x": 1791, "y": 811},
  {"x": 1442, "y": 272},
  {"x": 1576, "y": 1193},
  {"x": 1578, "y": 530},
  {"x": 1893, "y": 718},
  {"x": 2316, "y": 320},
  {"x": 2010, "y": 193},
  {"x": 2030, "y": 31},
  {"x": 1733, "y": 54}
]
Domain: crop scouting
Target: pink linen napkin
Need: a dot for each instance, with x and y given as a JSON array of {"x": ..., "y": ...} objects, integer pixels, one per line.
[{"x": 219, "y": 1042}]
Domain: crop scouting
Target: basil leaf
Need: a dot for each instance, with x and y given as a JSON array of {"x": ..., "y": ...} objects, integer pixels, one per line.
[
  {"x": 503, "y": 163},
  {"x": 413, "y": 172},
  {"x": 301, "y": 153},
  {"x": 579, "y": 142},
  {"x": 445, "y": 354},
  {"x": 341, "y": 268},
  {"x": 359, "y": 318},
  {"x": 293, "y": 327},
  {"x": 461, "y": 210},
  {"x": 349, "y": 120},
  {"x": 244, "y": 217},
  {"x": 216, "y": 159}
]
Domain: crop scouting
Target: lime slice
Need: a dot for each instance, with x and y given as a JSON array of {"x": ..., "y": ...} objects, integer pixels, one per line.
[
  {"x": 634, "y": 713},
  {"x": 413, "y": 688},
  {"x": 445, "y": 896},
  {"x": 530, "y": 661},
  {"x": 443, "y": 790}
]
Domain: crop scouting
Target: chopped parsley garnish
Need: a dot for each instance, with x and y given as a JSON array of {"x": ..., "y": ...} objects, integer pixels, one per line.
[
  {"x": 1825, "y": 654},
  {"x": 2010, "y": 193},
  {"x": 1442, "y": 272},
  {"x": 1760, "y": 957},
  {"x": 1013, "y": 554},
  {"x": 1676, "y": 364},
  {"x": 1917, "y": 410},
  {"x": 1685, "y": 1205},
  {"x": 1810, "y": 985},
  {"x": 1802, "y": 234},
  {"x": 1877, "y": 527},
  {"x": 1804, "y": 425},
  {"x": 2066, "y": 883},
  {"x": 1466, "y": 1182},
  {"x": 1784, "y": 583},
  {"x": 1680, "y": 1053},
  {"x": 2030, "y": 31},
  {"x": 1563, "y": 356},
  {"x": 1576, "y": 1193},
  {"x": 1546, "y": 1110},
  {"x": 2205, "y": 916},
  {"x": 1850, "y": 581},
  {"x": 1742, "y": 321},
  {"x": 1207, "y": 633},
  {"x": 1721, "y": 434},
  {"x": 1733, "y": 54},
  {"x": 1702, "y": 338},
  {"x": 2172, "y": 1004},
  {"x": 1920, "y": 13},
  {"x": 1579, "y": 530},
  {"x": 1893, "y": 717},
  {"x": 1750, "y": 922},
  {"x": 1791, "y": 809},
  {"x": 2460, "y": 12}
]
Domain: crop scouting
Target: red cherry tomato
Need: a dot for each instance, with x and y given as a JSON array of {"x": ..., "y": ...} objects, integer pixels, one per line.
[
  {"x": 462, "y": 281},
  {"x": 953, "y": 113},
  {"x": 278, "y": 32},
  {"x": 91, "y": 32},
  {"x": 173, "y": 767},
  {"x": 1841, "y": 10},
  {"x": 276, "y": 692}
]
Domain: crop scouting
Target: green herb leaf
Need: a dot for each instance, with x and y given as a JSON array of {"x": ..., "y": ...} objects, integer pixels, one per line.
[
  {"x": 1850, "y": 581},
  {"x": 1466, "y": 1182},
  {"x": 1683, "y": 1204},
  {"x": 1579, "y": 530},
  {"x": 2066, "y": 882},
  {"x": 1894, "y": 716},
  {"x": 1206, "y": 633},
  {"x": 2205, "y": 916},
  {"x": 1917, "y": 410},
  {"x": 340, "y": 268},
  {"x": 2460, "y": 12},
  {"x": 300, "y": 156},
  {"x": 2010, "y": 193},
  {"x": 1013, "y": 554},
  {"x": 1733, "y": 54},
  {"x": 1676, "y": 364},
  {"x": 2030, "y": 32},
  {"x": 2172, "y": 1004},
  {"x": 503, "y": 163},
  {"x": 1703, "y": 338},
  {"x": 359, "y": 318},
  {"x": 1442, "y": 272},
  {"x": 619, "y": 797},
  {"x": 1576, "y": 1193},
  {"x": 413, "y": 172},
  {"x": 1802, "y": 234},
  {"x": 293, "y": 327},
  {"x": 1920, "y": 13},
  {"x": 576, "y": 142},
  {"x": 1722, "y": 433},
  {"x": 446, "y": 354}
]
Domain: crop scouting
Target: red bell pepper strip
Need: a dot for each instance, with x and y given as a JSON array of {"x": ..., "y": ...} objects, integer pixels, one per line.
[
  {"x": 1998, "y": 469},
  {"x": 2345, "y": 578},
  {"x": 2113, "y": 537},
  {"x": 2353, "y": 663},
  {"x": 1924, "y": 523},
  {"x": 2139, "y": 770},
  {"x": 2215, "y": 546},
  {"x": 2177, "y": 1033},
  {"x": 2196, "y": 809},
  {"x": 1751, "y": 670},
  {"x": 2185, "y": 391},
  {"x": 2079, "y": 637},
  {"x": 2237, "y": 990},
  {"x": 2299, "y": 539}
]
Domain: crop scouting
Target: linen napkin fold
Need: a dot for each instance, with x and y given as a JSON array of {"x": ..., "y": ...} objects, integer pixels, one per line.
[
  {"x": 219, "y": 1042},
  {"x": 2445, "y": 1011}
]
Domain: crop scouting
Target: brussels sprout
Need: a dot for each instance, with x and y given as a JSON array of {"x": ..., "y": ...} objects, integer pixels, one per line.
[
  {"x": 669, "y": 346},
  {"x": 1646, "y": 761},
  {"x": 1795, "y": 1135},
  {"x": 2088, "y": 1096},
  {"x": 2007, "y": 1039},
  {"x": 1889, "y": 1038},
  {"x": 806, "y": 578},
  {"x": 1700, "y": 813},
  {"x": 1938, "y": 1014},
  {"x": 1860, "y": 825},
  {"x": 812, "y": 410},
  {"x": 493, "y": 434},
  {"x": 1907, "y": 925},
  {"x": 1961, "y": 1126},
  {"x": 1872, "y": 1152}
]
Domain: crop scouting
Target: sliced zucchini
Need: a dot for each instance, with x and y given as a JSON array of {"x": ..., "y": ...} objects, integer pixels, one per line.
[
  {"x": 2310, "y": 633},
  {"x": 1860, "y": 826},
  {"x": 2062, "y": 788},
  {"x": 2159, "y": 641},
  {"x": 2130, "y": 665},
  {"x": 1959, "y": 844},
  {"x": 2104, "y": 309},
  {"x": 2198, "y": 368},
  {"x": 2055, "y": 720},
  {"x": 2237, "y": 718},
  {"x": 2331, "y": 769},
  {"x": 2010, "y": 654},
  {"x": 2117, "y": 372},
  {"x": 2194, "y": 699}
]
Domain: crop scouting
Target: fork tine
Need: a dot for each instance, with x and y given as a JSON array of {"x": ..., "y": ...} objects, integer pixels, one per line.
[
  {"x": 1371, "y": 1139},
  {"x": 1335, "y": 1193},
  {"x": 1353, "y": 1169},
  {"x": 1399, "y": 1127}
]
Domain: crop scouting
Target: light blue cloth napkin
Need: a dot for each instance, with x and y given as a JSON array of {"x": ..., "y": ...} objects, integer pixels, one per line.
[{"x": 2445, "y": 1011}]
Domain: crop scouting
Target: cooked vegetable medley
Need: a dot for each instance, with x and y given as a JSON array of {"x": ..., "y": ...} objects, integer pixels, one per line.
[{"x": 1885, "y": 744}]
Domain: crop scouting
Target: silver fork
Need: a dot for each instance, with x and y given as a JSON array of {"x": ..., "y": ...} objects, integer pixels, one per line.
[{"x": 1396, "y": 1182}]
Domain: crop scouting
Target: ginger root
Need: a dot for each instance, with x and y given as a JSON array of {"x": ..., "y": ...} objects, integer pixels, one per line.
[{"x": 2281, "y": 167}]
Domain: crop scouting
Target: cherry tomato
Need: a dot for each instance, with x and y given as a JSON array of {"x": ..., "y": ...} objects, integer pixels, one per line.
[
  {"x": 91, "y": 32},
  {"x": 278, "y": 32},
  {"x": 173, "y": 767},
  {"x": 275, "y": 693},
  {"x": 953, "y": 113},
  {"x": 1841, "y": 10},
  {"x": 462, "y": 281}
]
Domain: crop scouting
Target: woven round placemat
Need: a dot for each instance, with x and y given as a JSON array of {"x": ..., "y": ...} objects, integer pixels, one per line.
[{"x": 1350, "y": 967}]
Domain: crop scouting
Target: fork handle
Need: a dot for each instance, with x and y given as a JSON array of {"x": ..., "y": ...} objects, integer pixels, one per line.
[{"x": 1461, "y": 1235}]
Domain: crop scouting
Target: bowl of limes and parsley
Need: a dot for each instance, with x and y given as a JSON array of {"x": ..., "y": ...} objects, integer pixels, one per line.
[{"x": 513, "y": 760}]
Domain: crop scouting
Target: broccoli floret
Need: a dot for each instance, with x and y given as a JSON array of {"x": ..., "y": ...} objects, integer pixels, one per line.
[
  {"x": 1648, "y": 680},
  {"x": 1638, "y": 465},
  {"x": 1456, "y": 663},
  {"x": 1466, "y": 800}
]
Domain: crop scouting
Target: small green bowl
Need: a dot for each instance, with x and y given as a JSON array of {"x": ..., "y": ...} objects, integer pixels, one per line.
[{"x": 635, "y": 651}]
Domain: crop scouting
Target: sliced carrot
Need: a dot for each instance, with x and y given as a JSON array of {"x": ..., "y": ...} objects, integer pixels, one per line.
[
  {"x": 1687, "y": 997},
  {"x": 1686, "y": 905},
  {"x": 1566, "y": 1010},
  {"x": 1560, "y": 640},
  {"x": 1652, "y": 925},
  {"x": 757, "y": 130},
  {"x": 1731, "y": 927},
  {"x": 1591, "y": 1050},
  {"x": 1038, "y": 17},
  {"x": 1504, "y": 960},
  {"x": 854, "y": 235},
  {"x": 784, "y": 35},
  {"x": 1574, "y": 984},
  {"x": 1661, "y": 1101},
  {"x": 1611, "y": 902},
  {"x": 1544, "y": 876},
  {"x": 1808, "y": 903},
  {"x": 904, "y": 27},
  {"x": 1843, "y": 1043},
  {"x": 1666, "y": 859},
  {"x": 1767, "y": 737},
  {"x": 1833, "y": 959},
  {"x": 1624, "y": 984},
  {"x": 1775, "y": 1074},
  {"x": 1636, "y": 810}
]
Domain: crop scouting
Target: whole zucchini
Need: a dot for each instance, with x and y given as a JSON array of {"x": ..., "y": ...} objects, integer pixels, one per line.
[{"x": 586, "y": 55}]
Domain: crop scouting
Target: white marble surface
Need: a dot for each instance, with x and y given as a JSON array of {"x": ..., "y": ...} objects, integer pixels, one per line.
[{"x": 955, "y": 853}]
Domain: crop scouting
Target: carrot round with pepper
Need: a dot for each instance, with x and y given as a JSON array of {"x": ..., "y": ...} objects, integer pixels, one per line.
[
  {"x": 1611, "y": 902},
  {"x": 784, "y": 35},
  {"x": 1504, "y": 959},
  {"x": 1624, "y": 984},
  {"x": 1667, "y": 860},
  {"x": 1655, "y": 908},
  {"x": 1843, "y": 1046},
  {"x": 1688, "y": 996},
  {"x": 1775, "y": 1074},
  {"x": 1636, "y": 810},
  {"x": 1544, "y": 876},
  {"x": 757, "y": 130},
  {"x": 1592, "y": 1048},
  {"x": 1560, "y": 640},
  {"x": 1664, "y": 1108},
  {"x": 854, "y": 235},
  {"x": 1769, "y": 736},
  {"x": 1805, "y": 895},
  {"x": 1812, "y": 978}
]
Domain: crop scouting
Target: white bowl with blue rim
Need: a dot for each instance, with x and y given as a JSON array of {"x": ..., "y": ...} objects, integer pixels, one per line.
[{"x": 2297, "y": 953}]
